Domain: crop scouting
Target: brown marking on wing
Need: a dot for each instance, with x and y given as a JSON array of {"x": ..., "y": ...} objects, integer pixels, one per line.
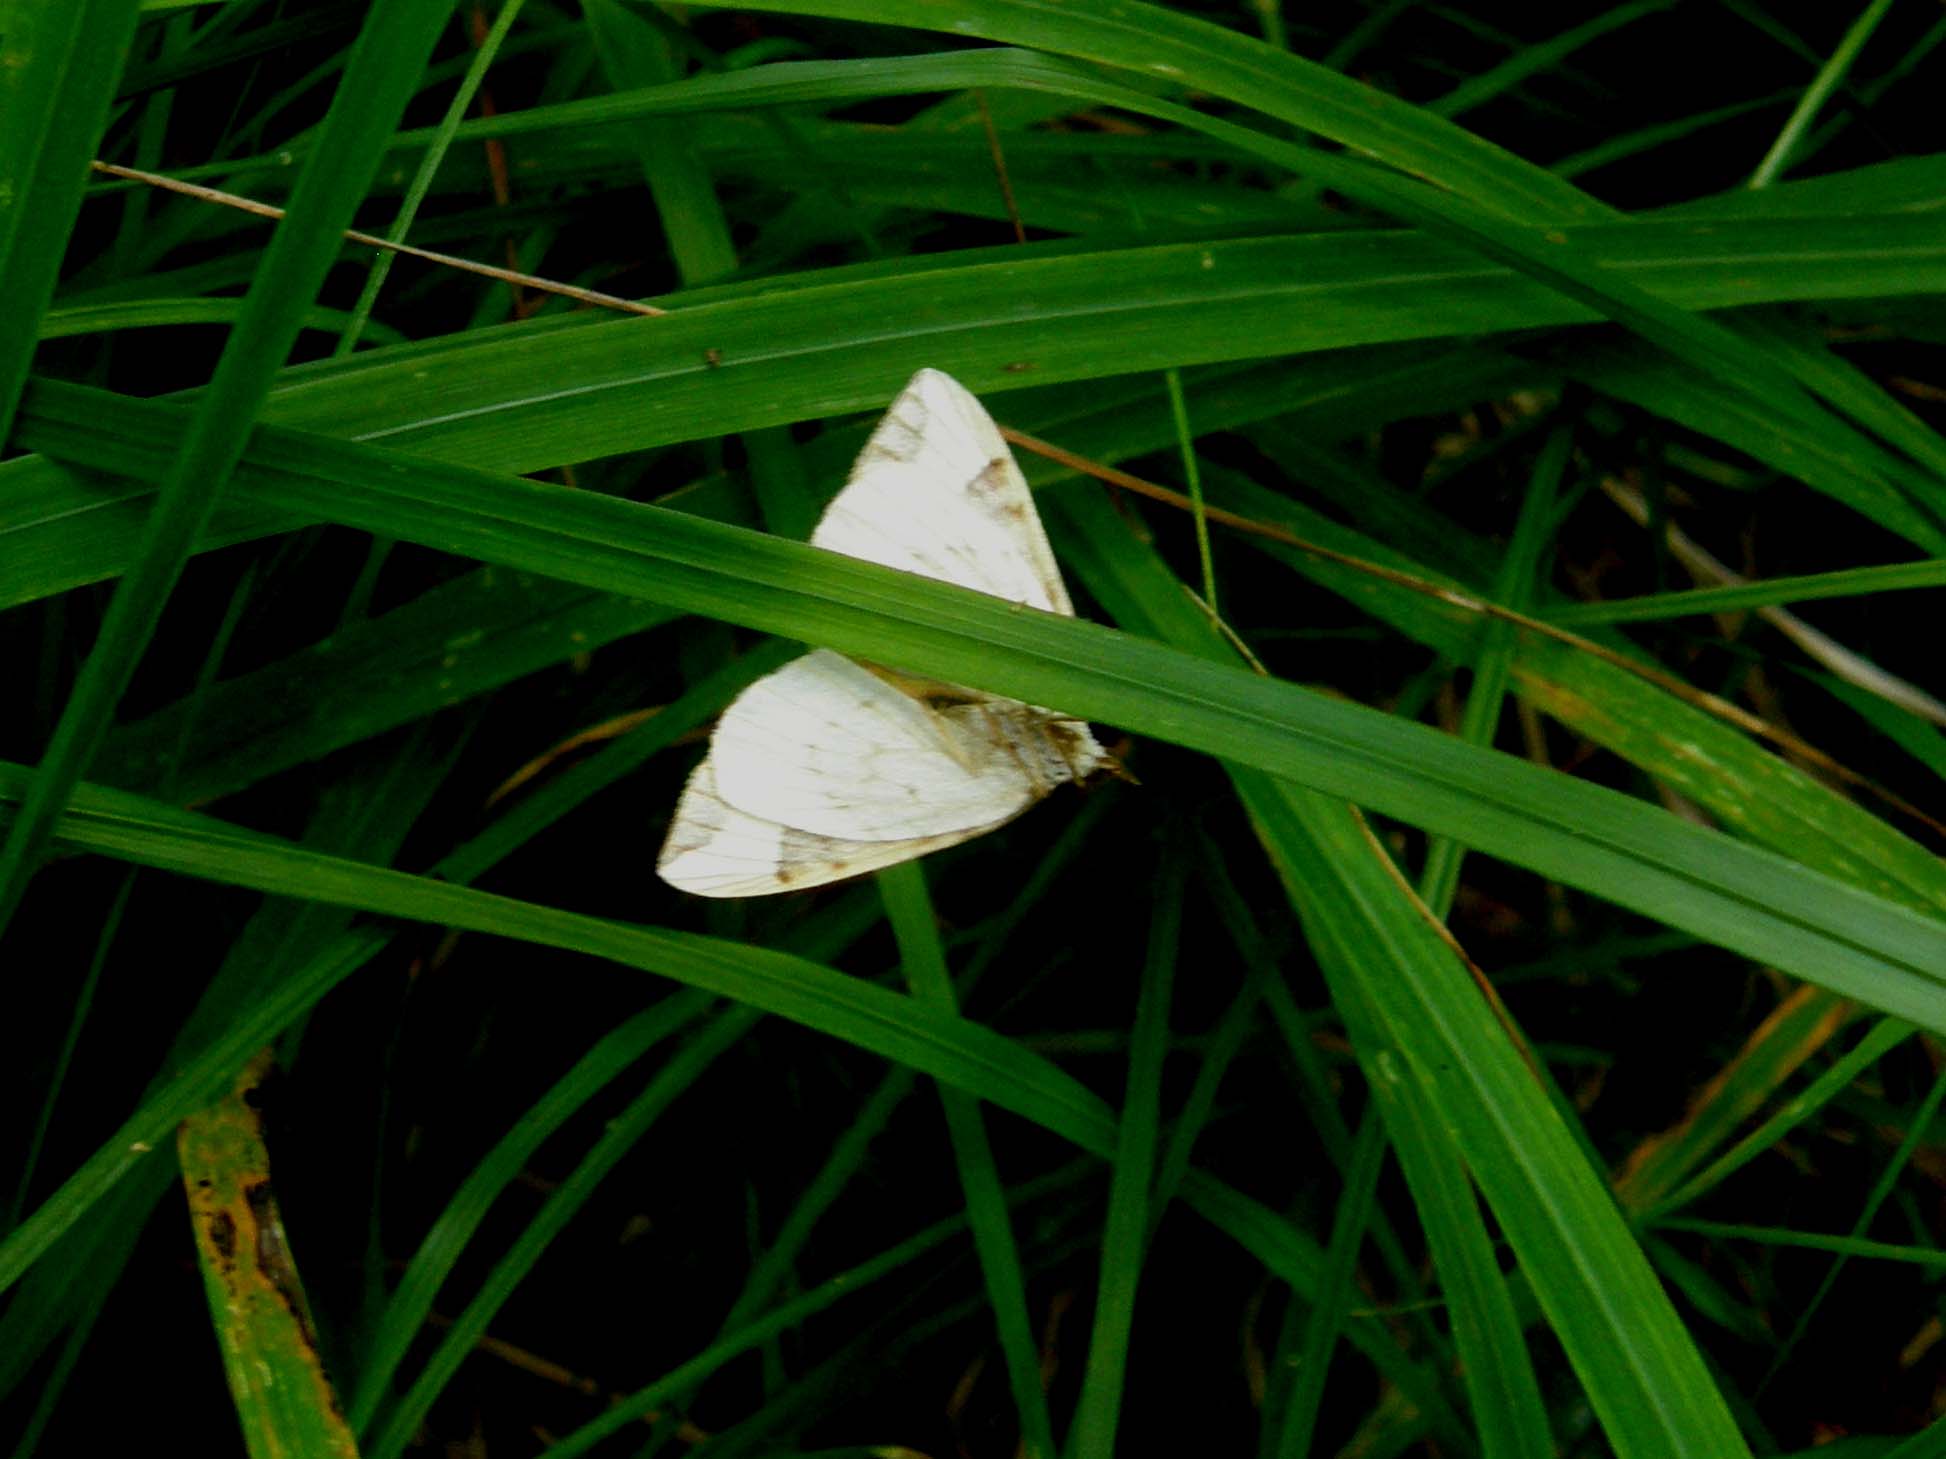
[{"x": 993, "y": 486}]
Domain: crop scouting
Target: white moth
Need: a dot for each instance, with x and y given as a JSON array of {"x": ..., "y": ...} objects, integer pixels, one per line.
[{"x": 828, "y": 768}]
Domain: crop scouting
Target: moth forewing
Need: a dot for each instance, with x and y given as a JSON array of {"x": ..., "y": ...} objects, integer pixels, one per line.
[{"x": 936, "y": 492}]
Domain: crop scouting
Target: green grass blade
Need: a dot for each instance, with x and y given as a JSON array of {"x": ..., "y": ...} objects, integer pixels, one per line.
[
  {"x": 972, "y": 1058},
  {"x": 58, "y": 65},
  {"x": 198, "y": 1072},
  {"x": 1927, "y": 1257},
  {"x": 284, "y": 958},
  {"x": 1537, "y": 59},
  {"x": 1830, "y": 74},
  {"x": 1803, "y": 588},
  {"x": 458, "y": 640},
  {"x": 1298, "y": 1422},
  {"x": 1928, "y": 1443},
  {"x": 1800, "y": 1026},
  {"x": 1204, "y": 57},
  {"x": 1124, "y": 1239},
  {"x": 1493, "y": 664},
  {"x": 1403, "y": 342},
  {"x": 381, "y": 76},
  {"x": 1503, "y": 1392},
  {"x": 805, "y": 351},
  {"x": 283, "y": 1398},
  {"x": 1875, "y": 1199},
  {"x": 1376, "y": 943},
  {"x": 1744, "y": 786},
  {"x": 908, "y": 908},
  {"x": 163, "y": 313},
  {"x": 634, "y": 54},
  {"x": 1300, "y": 1264},
  {"x": 781, "y": 1319},
  {"x": 620, "y": 1136},
  {"x": 1476, "y": 186},
  {"x": 1506, "y": 1401},
  {"x": 193, "y": 706},
  {"x": 963, "y": 1054},
  {"x": 1887, "y": 1035},
  {"x": 415, "y": 193},
  {"x": 1757, "y": 902},
  {"x": 410, "y": 1302},
  {"x": 1639, "y": 1367}
]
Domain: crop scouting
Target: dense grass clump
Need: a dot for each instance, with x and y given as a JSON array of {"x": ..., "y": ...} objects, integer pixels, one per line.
[{"x": 1493, "y": 456}]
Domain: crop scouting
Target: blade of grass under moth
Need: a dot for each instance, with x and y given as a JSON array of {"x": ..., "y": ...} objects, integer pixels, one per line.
[
  {"x": 488, "y": 627},
  {"x": 1760, "y": 903}
]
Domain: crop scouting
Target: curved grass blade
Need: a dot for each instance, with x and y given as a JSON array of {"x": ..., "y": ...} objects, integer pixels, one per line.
[
  {"x": 947, "y": 1048},
  {"x": 1747, "y": 788},
  {"x": 950, "y": 1048},
  {"x": 537, "y": 397},
  {"x": 1500, "y": 206}
]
